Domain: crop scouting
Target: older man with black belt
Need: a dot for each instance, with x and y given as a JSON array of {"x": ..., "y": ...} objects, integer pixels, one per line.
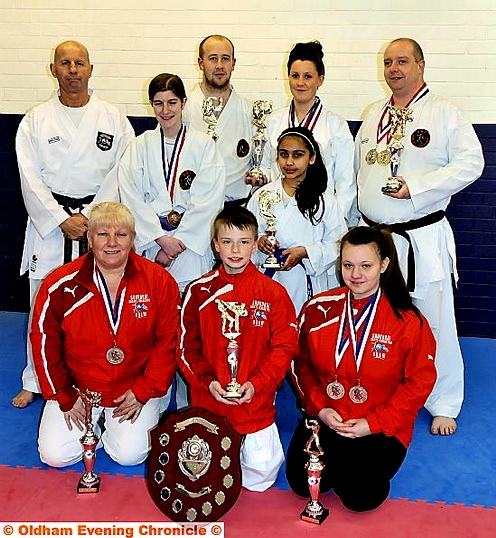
[{"x": 66, "y": 148}]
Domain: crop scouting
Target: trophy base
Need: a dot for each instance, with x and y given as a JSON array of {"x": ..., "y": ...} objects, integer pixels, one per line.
[
  {"x": 232, "y": 394},
  {"x": 272, "y": 265},
  {"x": 82, "y": 487},
  {"x": 393, "y": 189},
  {"x": 317, "y": 519}
]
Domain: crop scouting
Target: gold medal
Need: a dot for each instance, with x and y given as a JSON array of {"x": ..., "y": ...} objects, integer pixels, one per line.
[
  {"x": 371, "y": 156},
  {"x": 115, "y": 355},
  {"x": 384, "y": 157}
]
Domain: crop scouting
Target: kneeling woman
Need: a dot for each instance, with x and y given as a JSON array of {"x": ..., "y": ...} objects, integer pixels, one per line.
[{"x": 365, "y": 367}]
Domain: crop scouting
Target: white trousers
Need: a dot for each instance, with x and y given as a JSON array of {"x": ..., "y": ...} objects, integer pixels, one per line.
[
  {"x": 438, "y": 307},
  {"x": 261, "y": 458},
  {"x": 125, "y": 443},
  {"x": 29, "y": 378}
]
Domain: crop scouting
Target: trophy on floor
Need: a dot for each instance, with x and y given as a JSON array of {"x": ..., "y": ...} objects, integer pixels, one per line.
[
  {"x": 89, "y": 481},
  {"x": 399, "y": 117},
  {"x": 314, "y": 511},
  {"x": 209, "y": 108},
  {"x": 230, "y": 313},
  {"x": 261, "y": 109},
  {"x": 267, "y": 199}
]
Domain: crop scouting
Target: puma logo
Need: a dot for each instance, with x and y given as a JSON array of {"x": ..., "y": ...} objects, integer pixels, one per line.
[
  {"x": 73, "y": 291},
  {"x": 324, "y": 310},
  {"x": 204, "y": 288}
]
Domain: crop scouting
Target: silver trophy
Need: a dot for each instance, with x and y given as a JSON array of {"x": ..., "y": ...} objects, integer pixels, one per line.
[
  {"x": 89, "y": 481},
  {"x": 261, "y": 109},
  {"x": 314, "y": 511},
  {"x": 399, "y": 118},
  {"x": 209, "y": 110},
  {"x": 230, "y": 314},
  {"x": 266, "y": 200}
]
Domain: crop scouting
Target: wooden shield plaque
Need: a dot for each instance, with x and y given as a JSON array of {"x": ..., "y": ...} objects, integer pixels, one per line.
[{"x": 194, "y": 471}]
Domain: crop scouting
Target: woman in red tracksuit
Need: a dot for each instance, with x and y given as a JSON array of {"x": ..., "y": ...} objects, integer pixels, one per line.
[{"x": 365, "y": 367}]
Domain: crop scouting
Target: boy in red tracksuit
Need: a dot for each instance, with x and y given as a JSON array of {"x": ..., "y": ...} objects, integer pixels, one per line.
[{"x": 237, "y": 302}]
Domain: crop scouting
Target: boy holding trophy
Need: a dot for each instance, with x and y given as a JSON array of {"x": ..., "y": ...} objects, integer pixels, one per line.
[{"x": 238, "y": 336}]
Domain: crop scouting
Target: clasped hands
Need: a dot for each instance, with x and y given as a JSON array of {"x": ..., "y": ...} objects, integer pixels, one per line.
[{"x": 292, "y": 256}]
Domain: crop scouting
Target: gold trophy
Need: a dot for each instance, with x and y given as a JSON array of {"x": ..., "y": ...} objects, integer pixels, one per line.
[
  {"x": 267, "y": 199},
  {"x": 261, "y": 109},
  {"x": 210, "y": 112},
  {"x": 230, "y": 314},
  {"x": 314, "y": 511},
  {"x": 89, "y": 481},
  {"x": 399, "y": 117}
]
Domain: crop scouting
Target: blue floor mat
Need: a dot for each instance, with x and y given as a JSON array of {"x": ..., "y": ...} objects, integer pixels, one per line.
[{"x": 456, "y": 469}]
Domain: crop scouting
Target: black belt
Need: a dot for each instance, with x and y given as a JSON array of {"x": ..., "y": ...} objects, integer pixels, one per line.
[
  {"x": 402, "y": 228},
  {"x": 70, "y": 206},
  {"x": 237, "y": 203}
]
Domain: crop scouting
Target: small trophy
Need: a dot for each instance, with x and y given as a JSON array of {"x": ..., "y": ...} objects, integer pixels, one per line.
[
  {"x": 230, "y": 314},
  {"x": 314, "y": 511},
  {"x": 209, "y": 109},
  {"x": 261, "y": 109},
  {"x": 399, "y": 117},
  {"x": 267, "y": 199},
  {"x": 89, "y": 481}
]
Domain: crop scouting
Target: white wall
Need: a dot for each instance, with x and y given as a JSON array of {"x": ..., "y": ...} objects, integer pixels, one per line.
[{"x": 131, "y": 41}]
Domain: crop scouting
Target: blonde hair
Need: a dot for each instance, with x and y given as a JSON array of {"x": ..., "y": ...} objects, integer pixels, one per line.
[{"x": 110, "y": 214}]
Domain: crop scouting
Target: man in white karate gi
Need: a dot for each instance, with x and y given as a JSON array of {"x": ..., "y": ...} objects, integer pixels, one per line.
[
  {"x": 66, "y": 149},
  {"x": 234, "y": 129},
  {"x": 434, "y": 153}
]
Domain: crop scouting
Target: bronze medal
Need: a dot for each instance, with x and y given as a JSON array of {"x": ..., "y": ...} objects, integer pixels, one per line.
[
  {"x": 174, "y": 218},
  {"x": 186, "y": 179},
  {"x": 335, "y": 390},
  {"x": 420, "y": 138},
  {"x": 115, "y": 355},
  {"x": 358, "y": 394},
  {"x": 384, "y": 157},
  {"x": 371, "y": 156}
]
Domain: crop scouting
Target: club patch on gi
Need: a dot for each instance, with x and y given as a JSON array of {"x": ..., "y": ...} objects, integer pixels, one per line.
[
  {"x": 243, "y": 148},
  {"x": 104, "y": 141},
  {"x": 186, "y": 179},
  {"x": 420, "y": 138}
]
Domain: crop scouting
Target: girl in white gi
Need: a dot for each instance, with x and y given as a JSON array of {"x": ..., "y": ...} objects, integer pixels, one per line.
[
  {"x": 173, "y": 180},
  {"x": 308, "y": 221},
  {"x": 306, "y": 73}
]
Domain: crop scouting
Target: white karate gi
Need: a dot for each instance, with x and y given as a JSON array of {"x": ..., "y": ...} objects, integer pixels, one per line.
[
  {"x": 234, "y": 129},
  {"x": 336, "y": 145},
  {"x": 295, "y": 230},
  {"x": 450, "y": 161},
  {"x": 54, "y": 155},
  {"x": 143, "y": 189}
]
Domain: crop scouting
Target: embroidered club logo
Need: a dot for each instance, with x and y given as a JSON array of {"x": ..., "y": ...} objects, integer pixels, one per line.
[
  {"x": 243, "y": 148},
  {"x": 140, "y": 310},
  {"x": 104, "y": 141},
  {"x": 420, "y": 138},
  {"x": 186, "y": 179}
]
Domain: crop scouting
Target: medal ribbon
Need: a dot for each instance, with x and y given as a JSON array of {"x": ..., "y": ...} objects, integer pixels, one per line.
[
  {"x": 113, "y": 312},
  {"x": 366, "y": 318},
  {"x": 172, "y": 166},
  {"x": 384, "y": 125},
  {"x": 310, "y": 118}
]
